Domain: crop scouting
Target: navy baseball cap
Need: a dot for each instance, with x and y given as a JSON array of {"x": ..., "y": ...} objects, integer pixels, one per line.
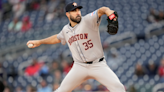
[{"x": 72, "y": 6}]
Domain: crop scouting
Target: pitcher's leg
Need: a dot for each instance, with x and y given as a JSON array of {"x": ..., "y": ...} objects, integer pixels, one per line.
[
  {"x": 102, "y": 73},
  {"x": 73, "y": 79}
]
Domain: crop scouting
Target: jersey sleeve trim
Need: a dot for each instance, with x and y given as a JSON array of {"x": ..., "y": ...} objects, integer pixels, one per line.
[
  {"x": 61, "y": 37},
  {"x": 58, "y": 37},
  {"x": 98, "y": 18}
]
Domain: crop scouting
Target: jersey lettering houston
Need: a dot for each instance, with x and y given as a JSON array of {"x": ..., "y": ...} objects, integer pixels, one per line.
[{"x": 83, "y": 39}]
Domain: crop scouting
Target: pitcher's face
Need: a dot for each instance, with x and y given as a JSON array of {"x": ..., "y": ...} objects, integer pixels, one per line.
[{"x": 75, "y": 15}]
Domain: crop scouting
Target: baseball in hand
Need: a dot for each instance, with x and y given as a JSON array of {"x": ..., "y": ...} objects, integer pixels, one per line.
[{"x": 30, "y": 45}]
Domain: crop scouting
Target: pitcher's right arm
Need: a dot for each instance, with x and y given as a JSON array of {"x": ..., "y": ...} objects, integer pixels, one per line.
[{"x": 50, "y": 40}]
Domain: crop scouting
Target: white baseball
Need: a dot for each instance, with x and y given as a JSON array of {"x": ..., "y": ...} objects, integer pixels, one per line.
[{"x": 30, "y": 45}]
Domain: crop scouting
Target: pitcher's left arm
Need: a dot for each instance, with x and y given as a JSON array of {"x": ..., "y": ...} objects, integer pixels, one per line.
[{"x": 112, "y": 18}]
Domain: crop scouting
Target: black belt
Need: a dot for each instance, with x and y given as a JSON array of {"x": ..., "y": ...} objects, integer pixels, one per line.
[{"x": 101, "y": 59}]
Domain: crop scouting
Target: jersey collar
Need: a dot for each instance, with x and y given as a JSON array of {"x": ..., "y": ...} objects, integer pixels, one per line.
[{"x": 69, "y": 25}]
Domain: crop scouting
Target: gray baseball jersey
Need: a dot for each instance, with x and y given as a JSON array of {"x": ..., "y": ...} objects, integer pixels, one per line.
[
  {"x": 84, "y": 38},
  {"x": 85, "y": 45}
]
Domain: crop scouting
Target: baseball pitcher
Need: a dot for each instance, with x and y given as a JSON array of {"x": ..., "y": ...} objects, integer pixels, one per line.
[{"x": 83, "y": 38}]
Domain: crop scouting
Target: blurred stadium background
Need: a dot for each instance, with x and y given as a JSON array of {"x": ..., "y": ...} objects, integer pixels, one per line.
[{"x": 135, "y": 53}]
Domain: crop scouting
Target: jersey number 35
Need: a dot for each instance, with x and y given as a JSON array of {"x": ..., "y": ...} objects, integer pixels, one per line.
[{"x": 88, "y": 44}]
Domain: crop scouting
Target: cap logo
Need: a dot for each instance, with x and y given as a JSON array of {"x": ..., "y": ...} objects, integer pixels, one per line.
[{"x": 74, "y": 4}]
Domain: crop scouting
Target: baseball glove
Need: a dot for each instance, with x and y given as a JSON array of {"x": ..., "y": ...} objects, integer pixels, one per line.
[{"x": 112, "y": 24}]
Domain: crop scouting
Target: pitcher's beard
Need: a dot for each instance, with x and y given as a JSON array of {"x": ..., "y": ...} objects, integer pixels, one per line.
[{"x": 77, "y": 19}]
